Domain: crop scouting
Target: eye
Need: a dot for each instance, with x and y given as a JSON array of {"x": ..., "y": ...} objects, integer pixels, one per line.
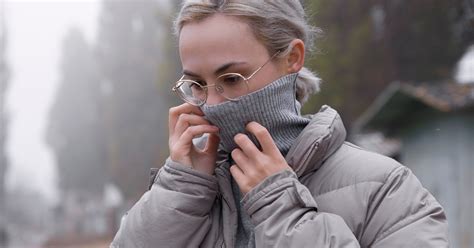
[
  {"x": 232, "y": 80},
  {"x": 195, "y": 87}
]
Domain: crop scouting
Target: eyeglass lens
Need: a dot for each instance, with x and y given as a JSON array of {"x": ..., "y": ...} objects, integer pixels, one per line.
[{"x": 229, "y": 85}]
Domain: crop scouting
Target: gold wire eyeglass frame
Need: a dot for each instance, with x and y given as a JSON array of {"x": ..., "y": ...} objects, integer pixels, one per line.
[{"x": 217, "y": 87}]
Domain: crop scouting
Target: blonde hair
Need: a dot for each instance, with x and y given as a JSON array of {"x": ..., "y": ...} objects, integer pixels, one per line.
[{"x": 273, "y": 22}]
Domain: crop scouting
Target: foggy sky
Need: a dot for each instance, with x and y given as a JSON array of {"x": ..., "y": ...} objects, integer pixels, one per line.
[{"x": 35, "y": 31}]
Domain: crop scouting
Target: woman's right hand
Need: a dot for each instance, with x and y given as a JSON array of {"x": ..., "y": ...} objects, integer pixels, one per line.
[{"x": 185, "y": 123}]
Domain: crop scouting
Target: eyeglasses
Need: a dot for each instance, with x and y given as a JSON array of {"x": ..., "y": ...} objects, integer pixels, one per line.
[{"x": 230, "y": 85}]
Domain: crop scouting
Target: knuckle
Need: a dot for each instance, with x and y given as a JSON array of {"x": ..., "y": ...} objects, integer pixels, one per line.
[
  {"x": 173, "y": 111},
  {"x": 177, "y": 110},
  {"x": 253, "y": 173},
  {"x": 182, "y": 118},
  {"x": 235, "y": 153},
  {"x": 239, "y": 138},
  {"x": 187, "y": 132},
  {"x": 259, "y": 169},
  {"x": 261, "y": 132},
  {"x": 193, "y": 129}
]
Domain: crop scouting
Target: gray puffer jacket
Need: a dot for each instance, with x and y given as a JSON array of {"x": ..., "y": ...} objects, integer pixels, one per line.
[{"x": 338, "y": 195}]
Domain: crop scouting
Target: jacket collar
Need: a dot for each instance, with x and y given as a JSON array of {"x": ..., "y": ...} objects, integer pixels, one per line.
[{"x": 318, "y": 140}]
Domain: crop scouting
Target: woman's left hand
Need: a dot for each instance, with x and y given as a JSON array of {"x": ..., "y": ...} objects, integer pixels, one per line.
[{"x": 252, "y": 165}]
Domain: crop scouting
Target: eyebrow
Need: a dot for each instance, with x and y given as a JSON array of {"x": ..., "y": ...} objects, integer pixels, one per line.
[{"x": 217, "y": 72}]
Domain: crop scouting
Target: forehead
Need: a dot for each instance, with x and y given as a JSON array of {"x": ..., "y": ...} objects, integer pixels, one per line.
[{"x": 216, "y": 40}]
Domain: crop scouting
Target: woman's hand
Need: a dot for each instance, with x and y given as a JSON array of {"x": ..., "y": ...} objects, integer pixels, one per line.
[
  {"x": 185, "y": 123},
  {"x": 252, "y": 165}
]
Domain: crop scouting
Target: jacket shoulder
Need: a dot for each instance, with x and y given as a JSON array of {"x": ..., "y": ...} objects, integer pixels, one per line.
[
  {"x": 350, "y": 165},
  {"x": 381, "y": 201}
]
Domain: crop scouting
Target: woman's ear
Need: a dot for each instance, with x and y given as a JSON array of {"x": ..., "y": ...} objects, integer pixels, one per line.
[{"x": 295, "y": 58}]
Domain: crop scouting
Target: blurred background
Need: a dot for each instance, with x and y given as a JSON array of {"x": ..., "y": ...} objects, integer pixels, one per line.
[{"x": 85, "y": 92}]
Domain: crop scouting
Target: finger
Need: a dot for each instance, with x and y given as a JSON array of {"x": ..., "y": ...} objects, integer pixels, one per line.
[
  {"x": 175, "y": 112},
  {"x": 263, "y": 137},
  {"x": 186, "y": 138},
  {"x": 247, "y": 146},
  {"x": 238, "y": 175},
  {"x": 186, "y": 120},
  {"x": 212, "y": 143},
  {"x": 240, "y": 159}
]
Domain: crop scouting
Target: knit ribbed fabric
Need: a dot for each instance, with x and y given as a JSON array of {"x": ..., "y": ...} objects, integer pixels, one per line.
[
  {"x": 245, "y": 237},
  {"x": 274, "y": 107}
]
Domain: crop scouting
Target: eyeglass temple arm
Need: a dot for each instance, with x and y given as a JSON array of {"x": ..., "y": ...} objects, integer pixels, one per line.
[{"x": 268, "y": 61}]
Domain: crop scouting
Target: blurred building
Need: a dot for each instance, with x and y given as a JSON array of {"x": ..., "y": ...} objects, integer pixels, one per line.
[
  {"x": 465, "y": 68},
  {"x": 429, "y": 127}
]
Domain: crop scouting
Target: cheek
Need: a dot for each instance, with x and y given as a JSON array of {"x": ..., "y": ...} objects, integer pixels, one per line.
[{"x": 266, "y": 77}]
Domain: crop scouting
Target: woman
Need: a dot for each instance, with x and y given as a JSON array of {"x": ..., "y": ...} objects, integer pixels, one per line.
[{"x": 262, "y": 175}]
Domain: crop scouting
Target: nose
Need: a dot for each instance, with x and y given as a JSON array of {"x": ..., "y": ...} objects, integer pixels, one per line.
[{"x": 214, "y": 97}]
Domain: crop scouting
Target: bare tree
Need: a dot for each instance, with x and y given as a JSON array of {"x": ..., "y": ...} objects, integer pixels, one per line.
[
  {"x": 75, "y": 127},
  {"x": 135, "y": 69}
]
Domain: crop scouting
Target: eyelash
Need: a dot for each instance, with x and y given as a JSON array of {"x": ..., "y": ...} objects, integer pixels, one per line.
[{"x": 201, "y": 82}]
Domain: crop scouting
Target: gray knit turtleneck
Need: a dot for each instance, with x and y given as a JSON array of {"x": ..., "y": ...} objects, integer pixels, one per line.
[
  {"x": 274, "y": 107},
  {"x": 245, "y": 237}
]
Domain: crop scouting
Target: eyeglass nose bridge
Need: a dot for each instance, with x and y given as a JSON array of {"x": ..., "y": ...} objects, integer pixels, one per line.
[{"x": 218, "y": 88}]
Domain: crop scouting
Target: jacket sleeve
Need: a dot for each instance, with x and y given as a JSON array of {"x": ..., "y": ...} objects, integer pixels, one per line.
[
  {"x": 401, "y": 214},
  {"x": 404, "y": 214},
  {"x": 173, "y": 213},
  {"x": 285, "y": 214}
]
